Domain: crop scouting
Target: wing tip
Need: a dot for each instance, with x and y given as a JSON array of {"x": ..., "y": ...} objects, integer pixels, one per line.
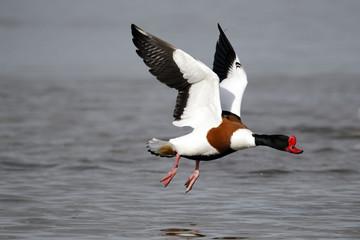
[
  {"x": 220, "y": 29},
  {"x": 134, "y": 28}
]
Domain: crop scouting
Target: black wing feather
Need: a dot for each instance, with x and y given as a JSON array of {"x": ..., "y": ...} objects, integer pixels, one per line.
[
  {"x": 158, "y": 56},
  {"x": 224, "y": 56}
]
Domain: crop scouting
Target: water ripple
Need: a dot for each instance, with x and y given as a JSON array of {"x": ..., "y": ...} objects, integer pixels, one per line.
[{"x": 22, "y": 166}]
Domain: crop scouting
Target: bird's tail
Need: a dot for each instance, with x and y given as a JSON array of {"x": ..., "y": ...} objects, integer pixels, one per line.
[{"x": 161, "y": 148}]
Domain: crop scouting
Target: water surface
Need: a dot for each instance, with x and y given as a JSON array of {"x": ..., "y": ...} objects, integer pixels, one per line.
[{"x": 74, "y": 165}]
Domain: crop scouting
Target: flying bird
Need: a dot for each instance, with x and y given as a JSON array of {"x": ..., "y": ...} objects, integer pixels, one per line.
[{"x": 208, "y": 101}]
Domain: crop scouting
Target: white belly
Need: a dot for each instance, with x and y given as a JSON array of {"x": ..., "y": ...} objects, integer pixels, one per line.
[{"x": 193, "y": 144}]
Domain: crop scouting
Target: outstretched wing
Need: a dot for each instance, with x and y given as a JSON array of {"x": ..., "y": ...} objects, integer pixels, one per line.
[
  {"x": 198, "y": 101},
  {"x": 233, "y": 79}
]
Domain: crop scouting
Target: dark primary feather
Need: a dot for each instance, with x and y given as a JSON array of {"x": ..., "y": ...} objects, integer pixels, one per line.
[
  {"x": 224, "y": 56},
  {"x": 158, "y": 56}
]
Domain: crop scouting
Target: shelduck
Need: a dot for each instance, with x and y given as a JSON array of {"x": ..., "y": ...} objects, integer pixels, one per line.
[{"x": 208, "y": 101}]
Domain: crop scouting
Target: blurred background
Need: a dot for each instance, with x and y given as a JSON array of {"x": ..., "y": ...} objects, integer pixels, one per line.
[
  {"x": 77, "y": 106},
  {"x": 91, "y": 38}
]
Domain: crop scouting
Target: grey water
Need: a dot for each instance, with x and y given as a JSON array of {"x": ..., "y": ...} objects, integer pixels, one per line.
[{"x": 77, "y": 107}]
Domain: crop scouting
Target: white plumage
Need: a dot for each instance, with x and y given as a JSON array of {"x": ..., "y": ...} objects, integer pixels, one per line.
[
  {"x": 203, "y": 108},
  {"x": 232, "y": 88}
]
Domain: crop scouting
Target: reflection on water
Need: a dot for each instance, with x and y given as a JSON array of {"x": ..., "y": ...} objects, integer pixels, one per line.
[
  {"x": 179, "y": 232},
  {"x": 230, "y": 238},
  {"x": 190, "y": 234}
]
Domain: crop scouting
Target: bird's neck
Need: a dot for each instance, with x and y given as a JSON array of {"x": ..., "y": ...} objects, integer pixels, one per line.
[{"x": 274, "y": 141}]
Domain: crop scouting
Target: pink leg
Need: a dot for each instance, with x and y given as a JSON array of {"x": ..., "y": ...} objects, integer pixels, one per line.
[
  {"x": 167, "y": 179},
  {"x": 194, "y": 176}
]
